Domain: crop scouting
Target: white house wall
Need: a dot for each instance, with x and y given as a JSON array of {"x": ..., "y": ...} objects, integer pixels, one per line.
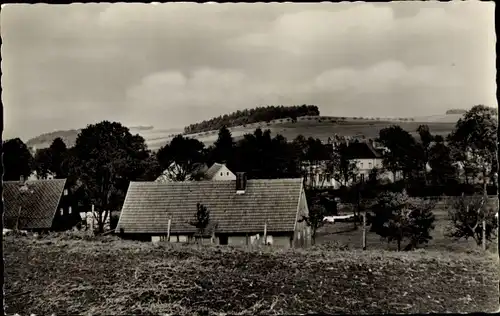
[{"x": 224, "y": 174}]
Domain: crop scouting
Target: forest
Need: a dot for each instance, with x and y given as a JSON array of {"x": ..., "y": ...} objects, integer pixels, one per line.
[{"x": 258, "y": 114}]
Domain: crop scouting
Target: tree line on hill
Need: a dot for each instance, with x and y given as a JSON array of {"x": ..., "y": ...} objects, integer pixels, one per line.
[
  {"x": 106, "y": 157},
  {"x": 259, "y": 114}
]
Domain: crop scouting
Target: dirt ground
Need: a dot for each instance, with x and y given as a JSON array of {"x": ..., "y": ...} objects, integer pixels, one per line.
[{"x": 108, "y": 276}]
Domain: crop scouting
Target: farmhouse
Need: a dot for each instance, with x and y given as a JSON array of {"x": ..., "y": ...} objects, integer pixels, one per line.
[
  {"x": 174, "y": 170},
  {"x": 39, "y": 205},
  {"x": 219, "y": 172},
  {"x": 200, "y": 172},
  {"x": 241, "y": 211}
]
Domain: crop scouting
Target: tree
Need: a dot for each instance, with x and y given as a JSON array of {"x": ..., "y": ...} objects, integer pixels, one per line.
[
  {"x": 397, "y": 217},
  {"x": 201, "y": 219},
  {"x": 315, "y": 220},
  {"x": 343, "y": 169},
  {"x": 442, "y": 166},
  {"x": 57, "y": 152},
  {"x": 106, "y": 158},
  {"x": 52, "y": 160},
  {"x": 403, "y": 154},
  {"x": 474, "y": 141},
  {"x": 17, "y": 160},
  {"x": 223, "y": 147},
  {"x": 181, "y": 158},
  {"x": 42, "y": 162},
  {"x": 426, "y": 138},
  {"x": 467, "y": 215}
]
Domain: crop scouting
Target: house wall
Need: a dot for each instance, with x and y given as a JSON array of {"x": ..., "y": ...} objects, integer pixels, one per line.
[
  {"x": 224, "y": 174},
  {"x": 66, "y": 216}
]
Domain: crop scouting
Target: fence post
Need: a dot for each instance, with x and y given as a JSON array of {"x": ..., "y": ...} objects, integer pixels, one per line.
[
  {"x": 484, "y": 233},
  {"x": 92, "y": 218},
  {"x": 265, "y": 233},
  {"x": 364, "y": 230},
  {"x": 168, "y": 229}
]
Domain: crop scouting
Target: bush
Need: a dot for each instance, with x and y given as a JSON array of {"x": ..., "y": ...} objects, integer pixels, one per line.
[
  {"x": 467, "y": 214},
  {"x": 398, "y": 217}
]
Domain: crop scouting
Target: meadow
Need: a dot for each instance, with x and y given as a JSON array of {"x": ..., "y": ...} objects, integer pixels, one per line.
[{"x": 317, "y": 127}]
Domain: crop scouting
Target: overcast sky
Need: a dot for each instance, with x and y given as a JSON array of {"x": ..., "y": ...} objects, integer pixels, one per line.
[{"x": 169, "y": 65}]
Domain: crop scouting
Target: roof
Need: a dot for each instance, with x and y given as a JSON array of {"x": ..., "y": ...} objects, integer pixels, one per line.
[
  {"x": 198, "y": 169},
  {"x": 38, "y": 204},
  {"x": 212, "y": 171},
  {"x": 149, "y": 205},
  {"x": 361, "y": 150}
]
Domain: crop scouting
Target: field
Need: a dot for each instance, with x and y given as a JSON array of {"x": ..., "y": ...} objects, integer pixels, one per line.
[
  {"x": 318, "y": 127},
  {"x": 62, "y": 274}
]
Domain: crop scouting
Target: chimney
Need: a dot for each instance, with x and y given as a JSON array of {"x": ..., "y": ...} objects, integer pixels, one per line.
[
  {"x": 241, "y": 182},
  {"x": 21, "y": 180}
]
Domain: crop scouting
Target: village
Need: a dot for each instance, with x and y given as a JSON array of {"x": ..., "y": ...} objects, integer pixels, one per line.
[{"x": 162, "y": 160}]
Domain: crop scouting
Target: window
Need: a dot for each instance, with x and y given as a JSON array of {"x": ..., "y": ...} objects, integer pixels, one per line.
[
  {"x": 62, "y": 212},
  {"x": 370, "y": 165},
  {"x": 361, "y": 164},
  {"x": 65, "y": 191},
  {"x": 328, "y": 178},
  {"x": 227, "y": 173},
  {"x": 320, "y": 178},
  {"x": 70, "y": 209},
  {"x": 221, "y": 173},
  {"x": 362, "y": 178}
]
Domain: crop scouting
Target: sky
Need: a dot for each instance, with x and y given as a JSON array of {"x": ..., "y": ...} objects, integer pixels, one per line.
[{"x": 169, "y": 65}]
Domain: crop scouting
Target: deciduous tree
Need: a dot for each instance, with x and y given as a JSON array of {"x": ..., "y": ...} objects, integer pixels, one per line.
[
  {"x": 467, "y": 214},
  {"x": 181, "y": 158},
  {"x": 398, "y": 217},
  {"x": 106, "y": 158},
  {"x": 17, "y": 160}
]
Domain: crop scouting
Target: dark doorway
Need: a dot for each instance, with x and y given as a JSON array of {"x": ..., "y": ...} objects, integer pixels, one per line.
[{"x": 223, "y": 239}]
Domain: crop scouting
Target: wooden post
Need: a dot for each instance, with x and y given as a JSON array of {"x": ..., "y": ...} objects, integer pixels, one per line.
[
  {"x": 92, "y": 220},
  {"x": 364, "y": 231},
  {"x": 265, "y": 233},
  {"x": 168, "y": 229},
  {"x": 484, "y": 234}
]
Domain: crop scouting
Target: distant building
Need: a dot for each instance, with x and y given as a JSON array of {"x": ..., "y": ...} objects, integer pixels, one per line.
[
  {"x": 201, "y": 172},
  {"x": 219, "y": 172}
]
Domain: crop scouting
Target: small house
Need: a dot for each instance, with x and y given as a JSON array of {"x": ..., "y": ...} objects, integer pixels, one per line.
[
  {"x": 219, "y": 172},
  {"x": 242, "y": 211},
  {"x": 39, "y": 205}
]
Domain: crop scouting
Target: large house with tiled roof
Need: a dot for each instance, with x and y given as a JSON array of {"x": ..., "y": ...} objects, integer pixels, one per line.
[
  {"x": 39, "y": 205},
  {"x": 242, "y": 211}
]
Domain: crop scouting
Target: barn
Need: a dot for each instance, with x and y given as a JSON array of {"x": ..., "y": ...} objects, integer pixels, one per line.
[
  {"x": 242, "y": 211},
  {"x": 38, "y": 205}
]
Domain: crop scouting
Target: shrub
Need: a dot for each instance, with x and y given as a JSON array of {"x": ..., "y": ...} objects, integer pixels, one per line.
[
  {"x": 467, "y": 214},
  {"x": 398, "y": 217}
]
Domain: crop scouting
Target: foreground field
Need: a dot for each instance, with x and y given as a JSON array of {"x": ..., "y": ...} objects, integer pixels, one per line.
[{"x": 114, "y": 277}]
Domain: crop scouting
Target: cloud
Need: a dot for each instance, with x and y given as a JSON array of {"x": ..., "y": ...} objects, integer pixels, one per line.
[{"x": 170, "y": 65}]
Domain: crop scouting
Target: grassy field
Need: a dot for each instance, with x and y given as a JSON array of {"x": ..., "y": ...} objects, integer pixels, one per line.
[
  {"x": 320, "y": 127},
  {"x": 107, "y": 276},
  {"x": 317, "y": 129},
  {"x": 345, "y": 234}
]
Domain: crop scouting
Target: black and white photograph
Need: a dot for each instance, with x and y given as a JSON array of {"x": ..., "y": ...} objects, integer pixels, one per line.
[{"x": 212, "y": 158}]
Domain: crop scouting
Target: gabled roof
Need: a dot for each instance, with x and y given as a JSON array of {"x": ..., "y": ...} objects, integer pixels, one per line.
[
  {"x": 198, "y": 169},
  {"x": 212, "y": 171},
  {"x": 361, "y": 150},
  {"x": 149, "y": 205},
  {"x": 38, "y": 202}
]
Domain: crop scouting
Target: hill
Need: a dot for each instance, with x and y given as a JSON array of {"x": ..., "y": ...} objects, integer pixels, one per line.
[{"x": 320, "y": 127}]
